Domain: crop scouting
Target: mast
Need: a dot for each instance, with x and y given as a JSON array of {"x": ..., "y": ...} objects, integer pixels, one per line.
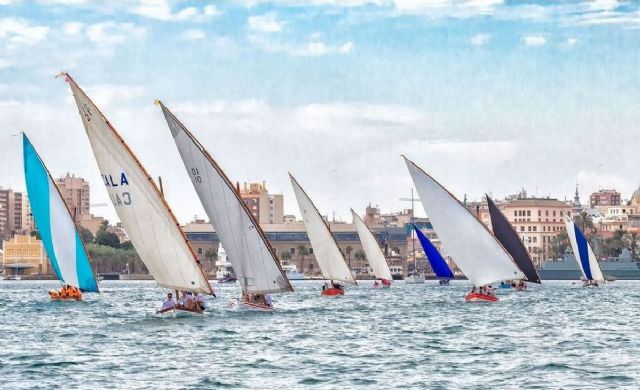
[{"x": 411, "y": 222}]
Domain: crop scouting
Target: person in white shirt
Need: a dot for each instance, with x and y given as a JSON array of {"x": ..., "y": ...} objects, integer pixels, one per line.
[
  {"x": 267, "y": 300},
  {"x": 168, "y": 303},
  {"x": 200, "y": 303}
]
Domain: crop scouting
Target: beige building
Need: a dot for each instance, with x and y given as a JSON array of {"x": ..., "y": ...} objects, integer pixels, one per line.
[
  {"x": 11, "y": 212},
  {"x": 267, "y": 208},
  {"x": 25, "y": 255},
  {"x": 373, "y": 217},
  {"x": 75, "y": 192}
]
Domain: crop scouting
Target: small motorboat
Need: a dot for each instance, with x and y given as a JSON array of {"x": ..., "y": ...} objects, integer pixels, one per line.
[
  {"x": 228, "y": 278},
  {"x": 477, "y": 297}
]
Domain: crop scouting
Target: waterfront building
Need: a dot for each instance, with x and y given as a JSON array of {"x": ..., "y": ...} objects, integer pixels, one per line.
[
  {"x": 25, "y": 255},
  {"x": 604, "y": 198},
  {"x": 291, "y": 238},
  {"x": 265, "y": 207},
  {"x": 576, "y": 206},
  {"x": 373, "y": 217},
  {"x": 12, "y": 208},
  {"x": 75, "y": 192}
]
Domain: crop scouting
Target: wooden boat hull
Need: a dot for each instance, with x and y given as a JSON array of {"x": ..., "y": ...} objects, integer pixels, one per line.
[
  {"x": 332, "y": 292},
  {"x": 477, "y": 297},
  {"x": 236, "y": 304}
]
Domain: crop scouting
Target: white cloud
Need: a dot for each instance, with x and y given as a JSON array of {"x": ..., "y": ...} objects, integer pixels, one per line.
[
  {"x": 72, "y": 28},
  {"x": 110, "y": 94},
  {"x": 194, "y": 34},
  {"x": 22, "y": 31},
  {"x": 571, "y": 41},
  {"x": 265, "y": 23},
  {"x": 534, "y": 40},
  {"x": 313, "y": 48},
  {"x": 114, "y": 33},
  {"x": 161, "y": 10},
  {"x": 346, "y": 48},
  {"x": 480, "y": 39}
]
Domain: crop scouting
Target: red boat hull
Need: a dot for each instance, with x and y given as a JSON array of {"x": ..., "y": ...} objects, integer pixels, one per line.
[
  {"x": 477, "y": 297},
  {"x": 332, "y": 292}
]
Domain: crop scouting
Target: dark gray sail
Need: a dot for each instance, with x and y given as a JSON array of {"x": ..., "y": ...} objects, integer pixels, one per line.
[{"x": 509, "y": 239}]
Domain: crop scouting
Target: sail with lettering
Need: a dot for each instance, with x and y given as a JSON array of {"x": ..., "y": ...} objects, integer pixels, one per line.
[
  {"x": 476, "y": 251},
  {"x": 55, "y": 224},
  {"x": 325, "y": 248},
  {"x": 509, "y": 239},
  {"x": 372, "y": 250},
  {"x": 583, "y": 253},
  {"x": 438, "y": 264},
  {"x": 254, "y": 261},
  {"x": 153, "y": 229}
]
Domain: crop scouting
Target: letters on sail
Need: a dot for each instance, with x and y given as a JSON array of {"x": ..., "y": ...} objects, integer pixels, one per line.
[{"x": 150, "y": 224}]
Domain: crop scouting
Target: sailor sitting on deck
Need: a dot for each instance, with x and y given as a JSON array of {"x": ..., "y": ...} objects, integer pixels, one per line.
[
  {"x": 168, "y": 303},
  {"x": 199, "y": 302},
  {"x": 336, "y": 285},
  {"x": 186, "y": 301},
  {"x": 267, "y": 300},
  {"x": 489, "y": 290}
]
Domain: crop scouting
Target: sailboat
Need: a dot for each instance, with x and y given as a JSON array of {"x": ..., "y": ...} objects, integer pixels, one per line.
[
  {"x": 57, "y": 229},
  {"x": 438, "y": 264},
  {"x": 478, "y": 254},
  {"x": 254, "y": 261},
  {"x": 325, "y": 248},
  {"x": 374, "y": 254},
  {"x": 504, "y": 232},
  {"x": 153, "y": 229},
  {"x": 585, "y": 257}
]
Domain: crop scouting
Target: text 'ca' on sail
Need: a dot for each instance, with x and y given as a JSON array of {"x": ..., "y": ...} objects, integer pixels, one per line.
[
  {"x": 476, "y": 251},
  {"x": 583, "y": 253},
  {"x": 153, "y": 229},
  {"x": 254, "y": 261},
  {"x": 55, "y": 224},
  {"x": 325, "y": 248}
]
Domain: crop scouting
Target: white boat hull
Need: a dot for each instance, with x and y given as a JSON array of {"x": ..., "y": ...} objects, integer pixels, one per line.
[
  {"x": 175, "y": 313},
  {"x": 236, "y": 304},
  {"x": 414, "y": 279}
]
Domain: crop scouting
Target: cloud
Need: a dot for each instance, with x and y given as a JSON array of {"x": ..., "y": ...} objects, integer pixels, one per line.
[
  {"x": 22, "y": 31},
  {"x": 313, "y": 48},
  {"x": 480, "y": 39},
  {"x": 161, "y": 10},
  {"x": 194, "y": 35},
  {"x": 265, "y": 23},
  {"x": 114, "y": 33},
  {"x": 571, "y": 41},
  {"x": 72, "y": 28},
  {"x": 534, "y": 40}
]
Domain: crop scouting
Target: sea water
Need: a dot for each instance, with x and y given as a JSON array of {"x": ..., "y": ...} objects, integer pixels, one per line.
[{"x": 558, "y": 335}]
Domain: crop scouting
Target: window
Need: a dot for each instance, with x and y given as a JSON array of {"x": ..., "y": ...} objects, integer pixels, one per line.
[
  {"x": 529, "y": 228},
  {"x": 199, "y": 251},
  {"x": 310, "y": 251},
  {"x": 522, "y": 228},
  {"x": 292, "y": 251},
  {"x": 515, "y": 213},
  {"x": 535, "y": 240},
  {"x": 535, "y": 228},
  {"x": 546, "y": 213},
  {"x": 539, "y": 213},
  {"x": 554, "y": 213},
  {"x": 528, "y": 213}
]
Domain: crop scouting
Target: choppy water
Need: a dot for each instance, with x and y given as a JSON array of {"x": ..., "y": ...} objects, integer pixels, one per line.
[{"x": 411, "y": 336}]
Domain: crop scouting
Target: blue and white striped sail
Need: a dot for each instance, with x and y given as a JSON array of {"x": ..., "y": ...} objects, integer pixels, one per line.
[
  {"x": 585, "y": 257},
  {"x": 55, "y": 224}
]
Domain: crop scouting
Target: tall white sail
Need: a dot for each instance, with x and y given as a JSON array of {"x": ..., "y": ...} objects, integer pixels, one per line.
[
  {"x": 152, "y": 227},
  {"x": 254, "y": 260},
  {"x": 371, "y": 248},
  {"x": 325, "y": 248},
  {"x": 583, "y": 253},
  {"x": 477, "y": 253}
]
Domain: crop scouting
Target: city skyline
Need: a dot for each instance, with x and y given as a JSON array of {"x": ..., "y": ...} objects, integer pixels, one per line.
[{"x": 487, "y": 96}]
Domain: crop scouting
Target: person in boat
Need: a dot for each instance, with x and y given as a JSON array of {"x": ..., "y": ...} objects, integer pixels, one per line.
[
  {"x": 186, "y": 301},
  {"x": 267, "y": 300},
  {"x": 336, "y": 285},
  {"x": 199, "y": 302},
  {"x": 489, "y": 290},
  {"x": 473, "y": 290},
  {"x": 375, "y": 284},
  {"x": 168, "y": 303},
  {"x": 385, "y": 282}
]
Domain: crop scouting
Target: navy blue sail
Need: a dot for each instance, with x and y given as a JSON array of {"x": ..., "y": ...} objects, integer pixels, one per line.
[
  {"x": 509, "y": 239},
  {"x": 439, "y": 266}
]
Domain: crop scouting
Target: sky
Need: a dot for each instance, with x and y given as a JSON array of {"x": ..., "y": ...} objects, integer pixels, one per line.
[{"x": 488, "y": 96}]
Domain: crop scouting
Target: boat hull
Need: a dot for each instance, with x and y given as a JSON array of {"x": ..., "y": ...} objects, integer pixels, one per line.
[
  {"x": 477, "y": 297},
  {"x": 236, "y": 304},
  {"x": 68, "y": 299},
  {"x": 179, "y": 312},
  {"x": 414, "y": 279},
  {"x": 332, "y": 292}
]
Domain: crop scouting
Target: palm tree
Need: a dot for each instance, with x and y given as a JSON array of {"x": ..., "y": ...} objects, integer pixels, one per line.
[
  {"x": 211, "y": 255},
  {"x": 285, "y": 255},
  {"x": 360, "y": 256},
  {"x": 302, "y": 252},
  {"x": 585, "y": 221},
  {"x": 348, "y": 250}
]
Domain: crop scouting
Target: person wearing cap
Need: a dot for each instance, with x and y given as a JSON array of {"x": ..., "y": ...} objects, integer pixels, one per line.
[{"x": 168, "y": 303}]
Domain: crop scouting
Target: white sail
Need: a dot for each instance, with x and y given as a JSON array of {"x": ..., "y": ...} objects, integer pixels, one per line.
[
  {"x": 325, "y": 249},
  {"x": 477, "y": 253},
  {"x": 583, "y": 253},
  {"x": 254, "y": 261},
  {"x": 152, "y": 227},
  {"x": 376, "y": 258}
]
